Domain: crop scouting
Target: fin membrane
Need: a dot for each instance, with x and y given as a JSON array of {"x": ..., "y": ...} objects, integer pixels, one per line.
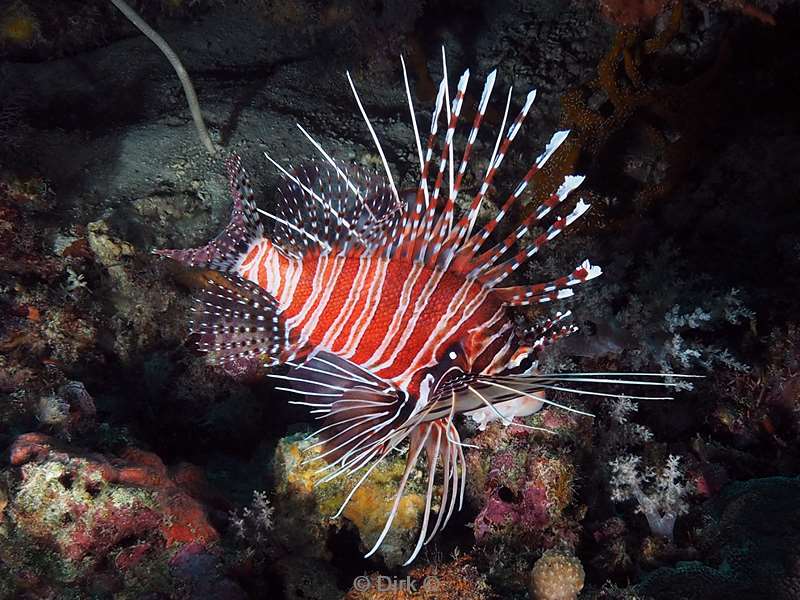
[
  {"x": 325, "y": 207},
  {"x": 224, "y": 252},
  {"x": 360, "y": 421},
  {"x": 359, "y": 411},
  {"x": 236, "y": 319}
]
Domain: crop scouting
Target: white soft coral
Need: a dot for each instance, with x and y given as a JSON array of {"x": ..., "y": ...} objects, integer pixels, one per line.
[{"x": 661, "y": 495}]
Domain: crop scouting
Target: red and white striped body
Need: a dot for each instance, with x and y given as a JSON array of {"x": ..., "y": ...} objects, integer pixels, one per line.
[{"x": 393, "y": 318}]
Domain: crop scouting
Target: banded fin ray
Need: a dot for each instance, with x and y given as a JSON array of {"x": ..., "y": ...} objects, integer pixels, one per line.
[
  {"x": 364, "y": 420},
  {"x": 331, "y": 263},
  {"x": 547, "y": 292},
  {"x": 325, "y": 371},
  {"x": 235, "y": 318},
  {"x": 349, "y": 211},
  {"x": 224, "y": 252}
]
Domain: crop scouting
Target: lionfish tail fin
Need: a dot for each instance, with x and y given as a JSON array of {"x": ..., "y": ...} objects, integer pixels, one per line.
[
  {"x": 225, "y": 251},
  {"x": 236, "y": 319}
]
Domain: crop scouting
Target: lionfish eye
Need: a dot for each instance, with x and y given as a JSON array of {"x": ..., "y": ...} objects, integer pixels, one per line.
[{"x": 454, "y": 357}]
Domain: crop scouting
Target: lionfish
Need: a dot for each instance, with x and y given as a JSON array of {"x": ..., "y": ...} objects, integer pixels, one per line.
[{"x": 392, "y": 311}]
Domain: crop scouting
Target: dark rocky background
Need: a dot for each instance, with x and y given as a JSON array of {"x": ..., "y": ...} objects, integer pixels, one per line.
[{"x": 135, "y": 470}]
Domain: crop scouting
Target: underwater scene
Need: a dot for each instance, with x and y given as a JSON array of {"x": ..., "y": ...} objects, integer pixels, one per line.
[{"x": 395, "y": 299}]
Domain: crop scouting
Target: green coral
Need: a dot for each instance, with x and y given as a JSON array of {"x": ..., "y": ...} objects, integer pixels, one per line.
[{"x": 750, "y": 547}]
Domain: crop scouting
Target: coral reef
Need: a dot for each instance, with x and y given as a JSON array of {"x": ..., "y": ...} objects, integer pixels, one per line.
[
  {"x": 640, "y": 13},
  {"x": 620, "y": 100},
  {"x": 86, "y": 520},
  {"x": 70, "y": 410},
  {"x": 661, "y": 496},
  {"x": 683, "y": 117},
  {"x": 744, "y": 554},
  {"x": 311, "y": 505},
  {"x": 254, "y": 522},
  {"x": 523, "y": 496},
  {"x": 523, "y": 484},
  {"x": 763, "y": 403}
]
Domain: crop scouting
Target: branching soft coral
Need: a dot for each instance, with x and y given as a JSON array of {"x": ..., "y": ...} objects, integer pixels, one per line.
[
  {"x": 661, "y": 495},
  {"x": 254, "y": 521}
]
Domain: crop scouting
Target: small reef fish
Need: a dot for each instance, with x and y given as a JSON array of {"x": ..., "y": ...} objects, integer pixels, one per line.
[{"x": 392, "y": 311}]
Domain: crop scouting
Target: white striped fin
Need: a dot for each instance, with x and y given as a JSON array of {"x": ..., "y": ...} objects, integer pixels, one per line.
[
  {"x": 553, "y": 145},
  {"x": 375, "y": 139},
  {"x": 236, "y": 319},
  {"x": 412, "y": 113},
  {"x": 324, "y": 206}
]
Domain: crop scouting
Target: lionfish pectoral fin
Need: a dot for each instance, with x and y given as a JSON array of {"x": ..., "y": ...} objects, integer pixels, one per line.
[
  {"x": 501, "y": 404},
  {"x": 360, "y": 412},
  {"x": 236, "y": 319},
  {"x": 364, "y": 419},
  {"x": 225, "y": 251}
]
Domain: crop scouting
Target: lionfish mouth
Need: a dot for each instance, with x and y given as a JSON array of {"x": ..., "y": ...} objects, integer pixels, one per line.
[{"x": 307, "y": 296}]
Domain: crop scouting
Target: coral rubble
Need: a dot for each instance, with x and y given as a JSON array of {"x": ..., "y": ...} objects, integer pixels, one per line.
[{"x": 86, "y": 520}]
